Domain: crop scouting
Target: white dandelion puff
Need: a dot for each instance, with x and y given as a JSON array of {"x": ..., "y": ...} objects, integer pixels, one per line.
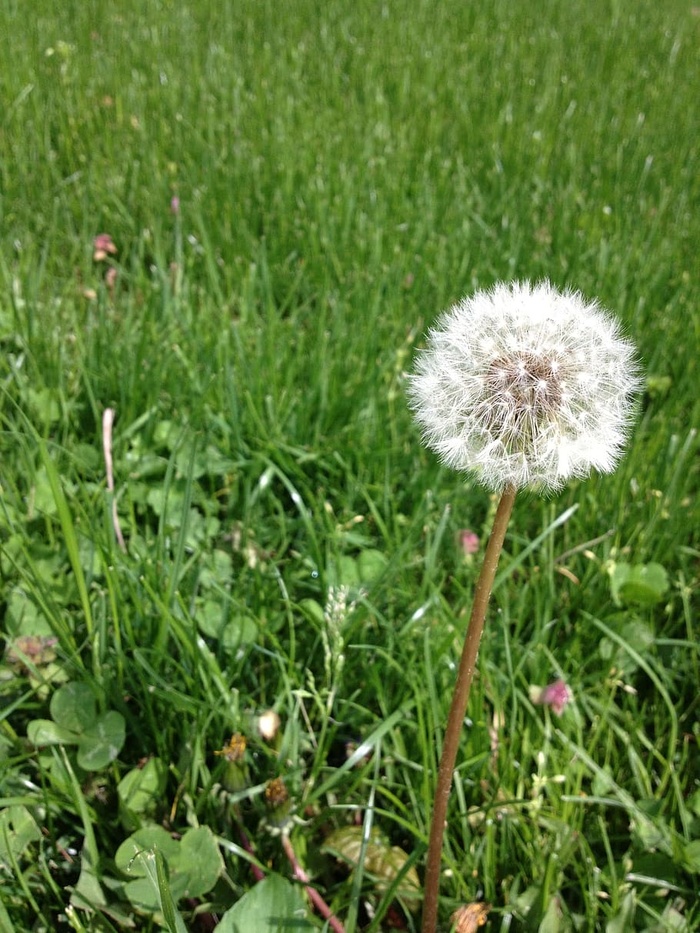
[{"x": 523, "y": 385}]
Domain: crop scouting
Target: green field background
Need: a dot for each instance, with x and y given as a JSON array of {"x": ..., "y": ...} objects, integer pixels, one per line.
[{"x": 295, "y": 190}]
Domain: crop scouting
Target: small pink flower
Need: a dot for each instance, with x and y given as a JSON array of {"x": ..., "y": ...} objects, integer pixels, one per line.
[
  {"x": 468, "y": 541},
  {"x": 555, "y": 695},
  {"x": 103, "y": 246},
  {"x": 175, "y": 205}
]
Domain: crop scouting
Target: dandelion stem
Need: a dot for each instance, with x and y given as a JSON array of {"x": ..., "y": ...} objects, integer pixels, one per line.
[
  {"x": 458, "y": 709},
  {"x": 311, "y": 892}
]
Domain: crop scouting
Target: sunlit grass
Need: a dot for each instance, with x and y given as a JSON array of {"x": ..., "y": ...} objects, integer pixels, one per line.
[{"x": 343, "y": 172}]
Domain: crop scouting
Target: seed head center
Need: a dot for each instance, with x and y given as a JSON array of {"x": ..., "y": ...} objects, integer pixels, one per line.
[{"x": 527, "y": 384}]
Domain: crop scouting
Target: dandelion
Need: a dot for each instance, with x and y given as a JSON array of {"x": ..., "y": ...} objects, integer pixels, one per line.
[
  {"x": 269, "y": 724},
  {"x": 523, "y": 387},
  {"x": 234, "y": 750},
  {"x": 236, "y": 774},
  {"x": 469, "y": 917},
  {"x": 279, "y": 806},
  {"x": 276, "y": 793}
]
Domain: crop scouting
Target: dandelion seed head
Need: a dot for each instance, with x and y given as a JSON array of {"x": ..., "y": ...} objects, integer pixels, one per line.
[{"x": 523, "y": 385}]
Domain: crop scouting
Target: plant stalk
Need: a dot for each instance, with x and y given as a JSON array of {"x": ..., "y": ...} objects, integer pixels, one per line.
[{"x": 458, "y": 709}]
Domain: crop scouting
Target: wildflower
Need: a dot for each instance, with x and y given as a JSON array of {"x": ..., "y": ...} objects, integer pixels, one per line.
[
  {"x": 468, "y": 541},
  {"x": 525, "y": 386},
  {"x": 27, "y": 651},
  {"x": 103, "y": 246},
  {"x": 556, "y": 695},
  {"x": 175, "y": 205}
]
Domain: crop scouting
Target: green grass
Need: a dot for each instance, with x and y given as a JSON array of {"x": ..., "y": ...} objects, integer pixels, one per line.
[{"x": 344, "y": 172}]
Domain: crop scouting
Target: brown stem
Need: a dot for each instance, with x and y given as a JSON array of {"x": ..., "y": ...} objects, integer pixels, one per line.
[
  {"x": 458, "y": 709},
  {"x": 311, "y": 892},
  {"x": 258, "y": 873}
]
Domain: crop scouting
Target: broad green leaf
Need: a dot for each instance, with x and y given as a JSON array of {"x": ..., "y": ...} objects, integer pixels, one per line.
[
  {"x": 663, "y": 870},
  {"x": 636, "y": 634},
  {"x": 42, "y": 500},
  {"x": 140, "y": 791},
  {"x": 141, "y": 891},
  {"x": 640, "y": 637},
  {"x": 552, "y": 922},
  {"x": 239, "y": 631},
  {"x": 274, "y": 905},
  {"x": 693, "y": 803},
  {"x": 147, "y": 466},
  {"x": 153, "y": 893},
  {"x": 691, "y": 856},
  {"x": 217, "y": 570},
  {"x": 644, "y": 584},
  {"x": 233, "y": 632},
  {"x": 650, "y": 834},
  {"x": 673, "y": 919},
  {"x": 160, "y": 499},
  {"x": 128, "y": 855},
  {"x": 371, "y": 564},
  {"x": 215, "y": 463},
  {"x": 200, "y": 528},
  {"x": 194, "y": 864},
  {"x": 344, "y": 572},
  {"x": 45, "y": 732},
  {"x": 199, "y": 860},
  {"x": 46, "y": 404},
  {"x": 73, "y": 707},
  {"x": 312, "y": 610},
  {"x": 206, "y": 461},
  {"x": 90, "y": 557},
  {"x": 88, "y": 893},
  {"x": 658, "y": 385},
  {"x": 189, "y": 461},
  {"x": 166, "y": 434},
  {"x": 624, "y": 921},
  {"x": 102, "y": 742},
  {"x": 18, "y": 829},
  {"x": 526, "y": 900},
  {"x": 86, "y": 457},
  {"x": 22, "y": 617},
  {"x": 211, "y": 618},
  {"x": 6, "y": 924}
]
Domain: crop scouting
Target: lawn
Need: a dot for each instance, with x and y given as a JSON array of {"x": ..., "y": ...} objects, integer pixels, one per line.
[{"x": 231, "y": 226}]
